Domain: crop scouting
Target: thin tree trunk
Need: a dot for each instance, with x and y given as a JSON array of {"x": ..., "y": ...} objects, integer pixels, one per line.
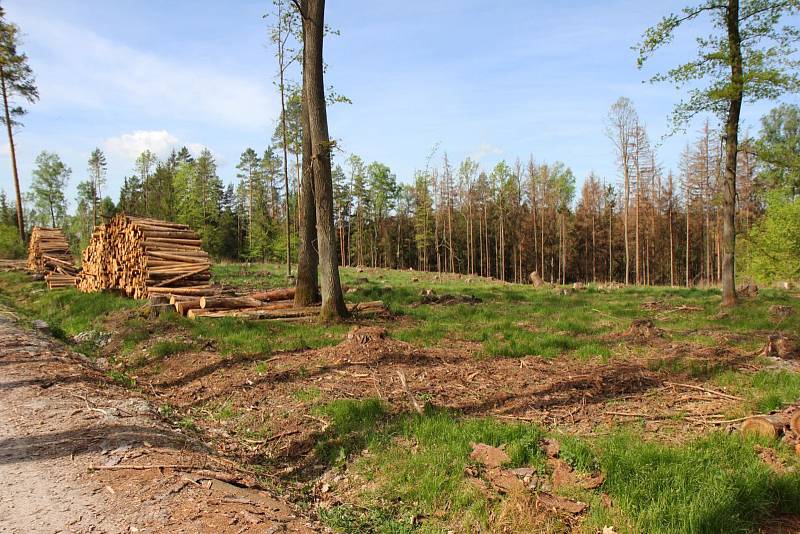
[
  {"x": 281, "y": 68},
  {"x": 731, "y": 148},
  {"x": 13, "y": 151}
]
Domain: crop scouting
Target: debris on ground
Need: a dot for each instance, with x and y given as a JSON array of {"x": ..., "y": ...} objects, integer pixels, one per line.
[
  {"x": 430, "y": 297},
  {"x": 781, "y": 346},
  {"x": 488, "y": 455}
]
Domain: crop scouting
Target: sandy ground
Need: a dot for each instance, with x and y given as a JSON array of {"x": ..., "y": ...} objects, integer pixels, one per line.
[{"x": 68, "y": 438}]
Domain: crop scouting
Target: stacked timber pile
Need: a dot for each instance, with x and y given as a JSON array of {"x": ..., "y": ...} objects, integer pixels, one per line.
[
  {"x": 143, "y": 257},
  {"x": 272, "y": 304},
  {"x": 96, "y": 274},
  {"x": 48, "y": 254}
]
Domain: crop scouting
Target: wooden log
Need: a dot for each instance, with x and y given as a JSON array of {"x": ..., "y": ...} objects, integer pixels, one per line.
[
  {"x": 794, "y": 422},
  {"x": 228, "y": 303},
  {"x": 289, "y": 313},
  {"x": 202, "y": 291},
  {"x": 274, "y": 294},
  {"x": 183, "y": 306},
  {"x": 183, "y": 276},
  {"x": 770, "y": 426}
]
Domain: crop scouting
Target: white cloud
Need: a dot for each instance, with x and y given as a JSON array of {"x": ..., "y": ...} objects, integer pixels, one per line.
[
  {"x": 130, "y": 145},
  {"x": 486, "y": 149},
  {"x": 78, "y": 68}
]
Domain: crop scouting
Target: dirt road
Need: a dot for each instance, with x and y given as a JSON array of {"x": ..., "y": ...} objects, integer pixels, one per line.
[{"x": 59, "y": 417}]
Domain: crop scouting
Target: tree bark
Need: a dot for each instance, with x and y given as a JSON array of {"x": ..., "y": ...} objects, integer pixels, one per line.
[
  {"x": 333, "y": 306},
  {"x": 306, "y": 291},
  {"x": 731, "y": 148},
  {"x": 13, "y": 151}
]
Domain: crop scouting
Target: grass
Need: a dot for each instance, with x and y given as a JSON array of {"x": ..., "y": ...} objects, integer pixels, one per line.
[
  {"x": 765, "y": 390},
  {"x": 162, "y": 349},
  {"x": 714, "y": 484},
  {"x": 415, "y": 466}
]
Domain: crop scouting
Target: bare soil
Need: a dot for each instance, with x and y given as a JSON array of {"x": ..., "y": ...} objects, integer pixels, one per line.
[{"x": 585, "y": 397}]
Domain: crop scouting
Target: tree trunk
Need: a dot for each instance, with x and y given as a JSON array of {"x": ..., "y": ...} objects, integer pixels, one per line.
[
  {"x": 333, "y": 306},
  {"x": 281, "y": 68},
  {"x": 307, "y": 261},
  {"x": 731, "y": 148},
  {"x": 13, "y": 151}
]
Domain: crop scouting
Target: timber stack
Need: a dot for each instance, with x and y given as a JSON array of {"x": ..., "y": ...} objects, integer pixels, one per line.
[
  {"x": 48, "y": 254},
  {"x": 96, "y": 274},
  {"x": 144, "y": 257}
]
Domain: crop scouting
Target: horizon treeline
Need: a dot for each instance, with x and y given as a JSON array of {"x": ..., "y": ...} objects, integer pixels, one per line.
[{"x": 649, "y": 225}]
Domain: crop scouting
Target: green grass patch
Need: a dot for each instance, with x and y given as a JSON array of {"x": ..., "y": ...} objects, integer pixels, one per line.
[
  {"x": 766, "y": 390},
  {"x": 162, "y": 349},
  {"x": 713, "y": 484},
  {"x": 309, "y": 394}
]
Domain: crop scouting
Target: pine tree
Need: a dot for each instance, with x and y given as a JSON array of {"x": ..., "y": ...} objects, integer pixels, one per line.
[{"x": 16, "y": 80}]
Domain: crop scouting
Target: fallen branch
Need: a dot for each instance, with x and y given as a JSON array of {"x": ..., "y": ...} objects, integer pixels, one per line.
[
  {"x": 142, "y": 467},
  {"x": 710, "y": 391},
  {"x": 638, "y": 414}
]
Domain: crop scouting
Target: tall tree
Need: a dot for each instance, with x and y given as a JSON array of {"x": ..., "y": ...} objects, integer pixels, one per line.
[
  {"x": 313, "y": 13},
  {"x": 748, "y": 57},
  {"x": 306, "y": 288},
  {"x": 16, "y": 81},
  {"x": 50, "y": 179},
  {"x": 621, "y": 128},
  {"x": 97, "y": 178},
  {"x": 280, "y": 34}
]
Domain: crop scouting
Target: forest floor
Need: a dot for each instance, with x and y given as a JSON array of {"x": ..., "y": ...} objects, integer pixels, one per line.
[{"x": 610, "y": 407}]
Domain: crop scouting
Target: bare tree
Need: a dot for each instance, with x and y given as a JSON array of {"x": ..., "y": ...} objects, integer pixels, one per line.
[{"x": 620, "y": 129}]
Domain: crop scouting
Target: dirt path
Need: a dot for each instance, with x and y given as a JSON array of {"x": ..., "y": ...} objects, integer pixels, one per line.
[{"x": 58, "y": 417}]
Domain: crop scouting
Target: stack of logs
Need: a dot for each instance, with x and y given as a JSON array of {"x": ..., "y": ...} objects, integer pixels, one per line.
[
  {"x": 271, "y": 304},
  {"x": 143, "y": 257},
  {"x": 96, "y": 274},
  {"x": 48, "y": 254}
]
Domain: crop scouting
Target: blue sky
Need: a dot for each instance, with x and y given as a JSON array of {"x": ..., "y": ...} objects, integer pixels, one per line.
[{"x": 487, "y": 79}]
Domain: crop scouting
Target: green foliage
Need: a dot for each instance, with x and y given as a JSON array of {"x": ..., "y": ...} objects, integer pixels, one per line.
[
  {"x": 767, "y": 56},
  {"x": 17, "y": 74},
  {"x": 772, "y": 248},
  {"x": 11, "y": 246},
  {"x": 778, "y": 148},
  {"x": 49, "y": 182}
]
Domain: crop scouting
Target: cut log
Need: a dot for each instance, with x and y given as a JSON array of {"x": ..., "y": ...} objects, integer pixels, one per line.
[
  {"x": 274, "y": 294},
  {"x": 183, "y": 306},
  {"x": 284, "y": 313},
  {"x": 228, "y": 303},
  {"x": 196, "y": 291},
  {"x": 770, "y": 426},
  {"x": 794, "y": 422}
]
